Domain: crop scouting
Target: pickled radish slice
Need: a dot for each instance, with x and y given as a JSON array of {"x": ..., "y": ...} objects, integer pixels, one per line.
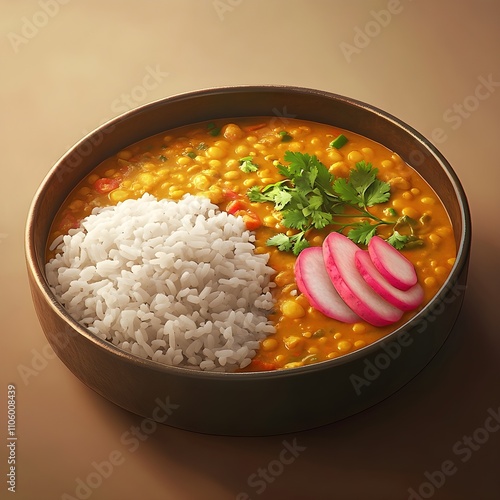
[
  {"x": 392, "y": 264},
  {"x": 405, "y": 300},
  {"x": 339, "y": 256},
  {"x": 314, "y": 282}
]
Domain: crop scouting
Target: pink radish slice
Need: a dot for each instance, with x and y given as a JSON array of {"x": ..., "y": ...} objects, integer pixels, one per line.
[
  {"x": 392, "y": 264},
  {"x": 339, "y": 255},
  {"x": 313, "y": 281},
  {"x": 405, "y": 300}
]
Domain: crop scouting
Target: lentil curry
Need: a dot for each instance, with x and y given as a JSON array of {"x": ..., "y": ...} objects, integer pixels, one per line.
[{"x": 223, "y": 160}]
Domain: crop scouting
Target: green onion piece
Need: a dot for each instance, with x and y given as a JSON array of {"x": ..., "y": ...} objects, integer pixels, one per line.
[
  {"x": 339, "y": 141},
  {"x": 191, "y": 154},
  {"x": 213, "y": 130},
  {"x": 285, "y": 136}
]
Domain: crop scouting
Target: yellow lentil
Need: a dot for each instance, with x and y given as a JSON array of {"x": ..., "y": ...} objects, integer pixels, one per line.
[
  {"x": 269, "y": 344},
  {"x": 292, "y": 310},
  {"x": 344, "y": 346}
]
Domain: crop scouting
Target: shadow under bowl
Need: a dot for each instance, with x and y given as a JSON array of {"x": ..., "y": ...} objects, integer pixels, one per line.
[{"x": 260, "y": 403}]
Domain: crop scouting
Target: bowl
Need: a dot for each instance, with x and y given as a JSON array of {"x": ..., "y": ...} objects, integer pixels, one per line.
[{"x": 258, "y": 403}]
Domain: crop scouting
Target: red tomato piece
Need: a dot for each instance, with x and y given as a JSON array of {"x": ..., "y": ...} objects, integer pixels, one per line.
[
  {"x": 105, "y": 185},
  {"x": 252, "y": 220},
  {"x": 251, "y": 128},
  {"x": 68, "y": 222},
  {"x": 232, "y": 195},
  {"x": 234, "y": 206},
  {"x": 258, "y": 365}
]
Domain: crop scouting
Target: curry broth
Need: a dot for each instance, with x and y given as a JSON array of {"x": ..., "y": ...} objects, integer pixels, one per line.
[{"x": 206, "y": 159}]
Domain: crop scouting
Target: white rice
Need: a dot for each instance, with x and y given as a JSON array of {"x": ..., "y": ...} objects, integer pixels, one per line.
[{"x": 176, "y": 282}]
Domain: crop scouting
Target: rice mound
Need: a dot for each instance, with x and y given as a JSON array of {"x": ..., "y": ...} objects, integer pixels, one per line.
[{"x": 176, "y": 282}]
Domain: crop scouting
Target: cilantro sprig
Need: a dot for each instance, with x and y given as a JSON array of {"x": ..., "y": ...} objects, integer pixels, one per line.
[
  {"x": 310, "y": 197},
  {"x": 247, "y": 165}
]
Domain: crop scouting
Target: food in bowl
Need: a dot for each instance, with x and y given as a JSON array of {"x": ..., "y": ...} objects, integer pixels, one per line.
[{"x": 288, "y": 191}]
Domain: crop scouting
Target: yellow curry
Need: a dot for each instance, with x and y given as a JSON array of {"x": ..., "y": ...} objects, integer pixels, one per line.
[{"x": 223, "y": 160}]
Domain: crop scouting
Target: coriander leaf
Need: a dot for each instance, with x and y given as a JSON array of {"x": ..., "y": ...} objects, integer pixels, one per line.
[
  {"x": 310, "y": 197},
  {"x": 256, "y": 195},
  {"x": 280, "y": 240},
  {"x": 275, "y": 187},
  {"x": 377, "y": 192},
  {"x": 346, "y": 192},
  {"x": 294, "y": 219},
  {"x": 247, "y": 165},
  {"x": 397, "y": 240},
  {"x": 321, "y": 219},
  {"x": 362, "y": 176},
  {"x": 298, "y": 161},
  {"x": 283, "y": 170},
  {"x": 300, "y": 244},
  {"x": 315, "y": 201},
  {"x": 362, "y": 232},
  {"x": 281, "y": 199}
]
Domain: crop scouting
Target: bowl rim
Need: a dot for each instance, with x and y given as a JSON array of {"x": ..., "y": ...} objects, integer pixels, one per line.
[{"x": 39, "y": 278}]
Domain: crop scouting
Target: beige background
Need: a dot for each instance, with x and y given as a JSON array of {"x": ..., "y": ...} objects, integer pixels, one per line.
[{"x": 65, "y": 68}]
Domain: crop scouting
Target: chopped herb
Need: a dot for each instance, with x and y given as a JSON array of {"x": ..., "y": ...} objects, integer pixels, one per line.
[
  {"x": 339, "y": 141},
  {"x": 311, "y": 198},
  {"x": 397, "y": 240},
  {"x": 362, "y": 232},
  {"x": 319, "y": 333},
  {"x": 162, "y": 158},
  {"x": 390, "y": 212},
  {"x": 202, "y": 146},
  {"x": 285, "y": 136},
  {"x": 191, "y": 154},
  {"x": 247, "y": 165},
  {"x": 363, "y": 188},
  {"x": 213, "y": 130}
]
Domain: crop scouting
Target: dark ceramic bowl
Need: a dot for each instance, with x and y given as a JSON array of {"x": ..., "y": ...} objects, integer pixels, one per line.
[{"x": 248, "y": 403}]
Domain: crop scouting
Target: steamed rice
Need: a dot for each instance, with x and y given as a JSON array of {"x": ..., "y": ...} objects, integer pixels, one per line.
[{"x": 176, "y": 282}]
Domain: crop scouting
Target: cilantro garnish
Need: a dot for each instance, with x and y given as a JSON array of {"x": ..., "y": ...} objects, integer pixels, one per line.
[
  {"x": 213, "y": 130},
  {"x": 397, "y": 240},
  {"x": 285, "y": 136},
  {"x": 362, "y": 188},
  {"x": 247, "y": 165},
  {"x": 309, "y": 197}
]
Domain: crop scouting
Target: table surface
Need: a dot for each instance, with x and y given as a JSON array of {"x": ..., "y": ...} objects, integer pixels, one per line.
[{"x": 69, "y": 66}]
